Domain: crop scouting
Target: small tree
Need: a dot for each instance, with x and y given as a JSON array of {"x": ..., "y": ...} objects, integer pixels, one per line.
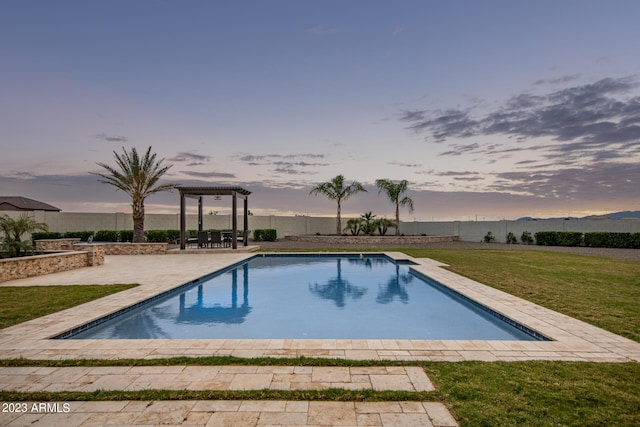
[
  {"x": 354, "y": 226},
  {"x": 368, "y": 223},
  {"x": 138, "y": 177},
  {"x": 394, "y": 192},
  {"x": 338, "y": 191},
  {"x": 13, "y": 229},
  {"x": 383, "y": 224}
]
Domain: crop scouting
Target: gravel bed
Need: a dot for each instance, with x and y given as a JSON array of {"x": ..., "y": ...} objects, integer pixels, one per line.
[{"x": 621, "y": 254}]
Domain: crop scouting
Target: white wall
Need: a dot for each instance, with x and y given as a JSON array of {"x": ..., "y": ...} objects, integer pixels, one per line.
[{"x": 470, "y": 231}]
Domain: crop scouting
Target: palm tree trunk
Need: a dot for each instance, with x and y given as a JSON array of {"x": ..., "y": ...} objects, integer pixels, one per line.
[
  {"x": 338, "y": 221},
  {"x": 397, "y": 219},
  {"x": 138, "y": 221}
]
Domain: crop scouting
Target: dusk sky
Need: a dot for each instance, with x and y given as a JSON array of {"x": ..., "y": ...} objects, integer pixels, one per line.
[{"x": 490, "y": 109}]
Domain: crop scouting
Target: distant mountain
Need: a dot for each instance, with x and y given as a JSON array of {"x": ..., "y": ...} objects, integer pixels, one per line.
[{"x": 614, "y": 215}]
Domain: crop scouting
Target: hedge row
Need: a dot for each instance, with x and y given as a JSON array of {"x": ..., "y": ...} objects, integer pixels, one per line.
[
  {"x": 591, "y": 239},
  {"x": 612, "y": 240},
  {"x": 153, "y": 236},
  {"x": 558, "y": 238},
  {"x": 267, "y": 235}
]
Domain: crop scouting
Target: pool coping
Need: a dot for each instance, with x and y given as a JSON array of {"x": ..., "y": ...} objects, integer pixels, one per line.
[{"x": 572, "y": 340}]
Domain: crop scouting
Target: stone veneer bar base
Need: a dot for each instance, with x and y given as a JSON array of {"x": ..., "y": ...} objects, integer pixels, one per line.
[{"x": 37, "y": 265}]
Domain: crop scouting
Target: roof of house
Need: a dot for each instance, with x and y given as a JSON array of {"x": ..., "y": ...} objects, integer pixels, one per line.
[{"x": 25, "y": 204}]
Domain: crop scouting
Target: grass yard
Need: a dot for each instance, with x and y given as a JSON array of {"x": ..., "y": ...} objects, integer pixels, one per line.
[
  {"x": 601, "y": 291},
  {"x": 19, "y": 304}
]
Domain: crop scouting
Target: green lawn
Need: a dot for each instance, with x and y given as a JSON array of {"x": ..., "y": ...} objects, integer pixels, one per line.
[
  {"x": 19, "y": 304},
  {"x": 601, "y": 291}
]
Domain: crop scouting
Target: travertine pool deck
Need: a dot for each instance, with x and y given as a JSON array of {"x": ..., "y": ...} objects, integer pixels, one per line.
[
  {"x": 237, "y": 413},
  {"x": 223, "y": 378},
  {"x": 571, "y": 339}
]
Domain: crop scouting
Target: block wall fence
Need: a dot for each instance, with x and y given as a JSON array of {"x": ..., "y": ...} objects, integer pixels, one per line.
[{"x": 469, "y": 231}]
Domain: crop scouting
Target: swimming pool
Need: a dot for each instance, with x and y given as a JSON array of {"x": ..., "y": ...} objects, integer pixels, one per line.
[{"x": 308, "y": 297}]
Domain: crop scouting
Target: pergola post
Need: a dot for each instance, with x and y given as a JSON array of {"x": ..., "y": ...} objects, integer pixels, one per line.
[
  {"x": 245, "y": 237},
  {"x": 200, "y": 213},
  {"x": 183, "y": 222},
  {"x": 234, "y": 221}
]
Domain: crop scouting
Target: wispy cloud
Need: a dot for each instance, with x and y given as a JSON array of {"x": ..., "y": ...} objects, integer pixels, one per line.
[
  {"x": 557, "y": 80},
  {"x": 405, "y": 165},
  {"x": 111, "y": 138},
  {"x": 208, "y": 174},
  {"x": 194, "y": 158}
]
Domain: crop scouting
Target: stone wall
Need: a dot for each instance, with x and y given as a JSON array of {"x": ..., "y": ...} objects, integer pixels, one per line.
[
  {"x": 374, "y": 240},
  {"x": 21, "y": 267},
  {"x": 125, "y": 248},
  {"x": 56, "y": 244}
]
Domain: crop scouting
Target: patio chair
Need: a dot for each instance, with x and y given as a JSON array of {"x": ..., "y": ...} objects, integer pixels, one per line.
[
  {"x": 216, "y": 238},
  {"x": 203, "y": 239}
]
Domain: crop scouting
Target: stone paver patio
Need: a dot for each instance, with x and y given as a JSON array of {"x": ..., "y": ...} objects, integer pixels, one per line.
[
  {"x": 240, "y": 413},
  {"x": 51, "y": 379}
]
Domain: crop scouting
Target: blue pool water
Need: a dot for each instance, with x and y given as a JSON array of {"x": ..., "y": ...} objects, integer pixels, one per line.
[{"x": 309, "y": 297}]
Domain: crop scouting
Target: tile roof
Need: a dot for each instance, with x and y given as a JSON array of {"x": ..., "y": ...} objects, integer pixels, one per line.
[{"x": 25, "y": 204}]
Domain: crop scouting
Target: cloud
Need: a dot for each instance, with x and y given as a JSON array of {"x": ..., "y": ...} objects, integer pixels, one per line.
[
  {"x": 111, "y": 138},
  {"x": 584, "y": 120},
  {"x": 557, "y": 80},
  {"x": 209, "y": 174},
  {"x": 195, "y": 158},
  {"x": 597, "y": 182},
  {"x": 459, "y": 149},
  {"x": 405, "y": 165},
  {"x": 321, "y": 30}
]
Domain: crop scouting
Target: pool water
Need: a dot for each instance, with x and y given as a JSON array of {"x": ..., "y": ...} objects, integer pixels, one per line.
[{"x": 310, "y": 297}]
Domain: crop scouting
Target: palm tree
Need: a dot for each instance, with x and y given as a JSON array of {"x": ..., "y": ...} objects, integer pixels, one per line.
[
  {"x": 394, "y": 191},
  {"x": 13, "y": 229},
  {"x": 138, "y": 178},
  {"x": 336, "y": 190}
]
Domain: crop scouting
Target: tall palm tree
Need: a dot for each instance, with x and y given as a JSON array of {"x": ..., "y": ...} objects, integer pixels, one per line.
[
  {"x": 394, "y": 192},
  {"x": 336, "y": 190},
  {"x": 137, "y": 177}
]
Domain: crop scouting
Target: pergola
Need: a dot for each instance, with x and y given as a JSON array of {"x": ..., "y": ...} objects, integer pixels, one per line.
[{"x": 198, "y": 192}]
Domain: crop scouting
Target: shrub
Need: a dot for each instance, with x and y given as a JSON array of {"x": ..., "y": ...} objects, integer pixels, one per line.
[
  {"x": 156, "y": 236},
  {"x": 511, "y": 238},
  {"x": 559, "y": 238},
  {"x": 489, "y": 237},
  {"x": 106, "y": 236},
  {"x": 267, "y": 235},
  {"x": 354, "y": 225},
  {"x": 39, "y": 235},
  {"x": 270, "y": 235},
  {"x": 612, "y": 240},
  {"x": 83, "y": 235},
  {"x": 173, "y": 235},
  {"x": 126, "y": 235},
  {"x": 383, "y": 224},
  {"x": 526, "y": 238}
]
